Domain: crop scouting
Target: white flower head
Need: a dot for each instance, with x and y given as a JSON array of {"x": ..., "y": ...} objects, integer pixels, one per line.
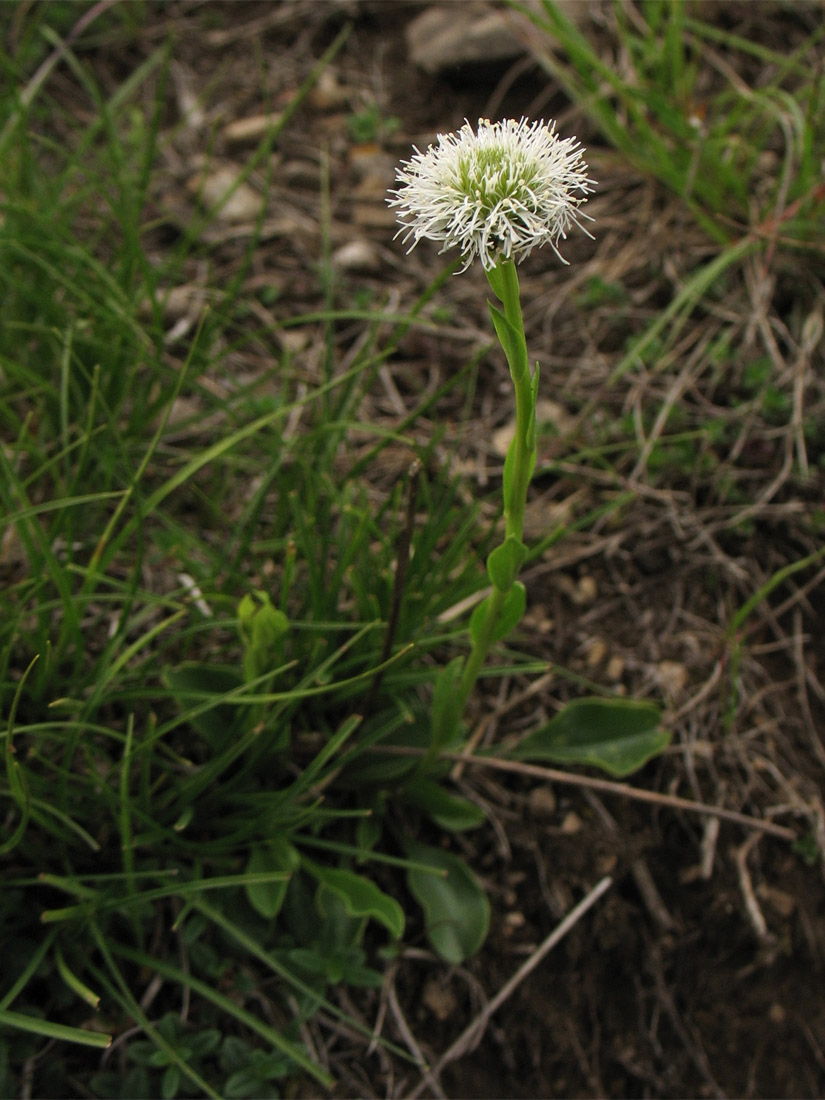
[{"x": 497, "y": 193}]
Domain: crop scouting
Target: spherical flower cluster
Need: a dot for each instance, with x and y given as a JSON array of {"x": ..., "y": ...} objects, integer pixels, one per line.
[{"x": 497, "y": 193}]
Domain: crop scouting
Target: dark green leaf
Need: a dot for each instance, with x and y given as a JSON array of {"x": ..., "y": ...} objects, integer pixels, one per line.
[
  {"x": 276, "y": 855},
  {"x": 361, "y": 897},
  {"x": 447, "y": 810},
  {"x": 504, "y": 562},
  {"x": 617, "y": 735},
  {"x": 262, "y": 627},
  {"x": 496, "y": 282},
  {"x": 170, "y": 1083},
  {"x": 446, "y": 711},
  {"x": 514, "y": 604},
  {"x": 513, "y": 344},
  {"x": 510, "y": 615},
  {"x": 477, "y": 619},
  {"x": 191, "y": 682},
  {"x": 455, "y": 906},
  {"x": 374, "y": 768}
]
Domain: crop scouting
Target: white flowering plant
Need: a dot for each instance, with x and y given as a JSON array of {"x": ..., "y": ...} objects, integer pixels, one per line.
[{"x": 496, "y": 193}]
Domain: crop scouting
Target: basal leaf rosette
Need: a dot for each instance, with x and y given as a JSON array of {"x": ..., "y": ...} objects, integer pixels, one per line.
[{"x": 497, "y": 192}]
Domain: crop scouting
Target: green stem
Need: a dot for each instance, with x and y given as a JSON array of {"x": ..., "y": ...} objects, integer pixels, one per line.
[
  {"x": 520, "y": 373},
  {"x": 504, "y": 282}
]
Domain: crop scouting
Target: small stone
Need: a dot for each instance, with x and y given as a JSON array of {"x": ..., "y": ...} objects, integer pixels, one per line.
[
  {"x": 293, "y": 340},
  {"x": 783, "y": 902},
  {"x": 243, "y": 205},
  {"x": 439, "y": 999},
  {"x": 606, "y": 863},
  {"x": 513, "y": 921},
  {"x": 596, "y": 652},
  {"x": 572, "y": 824},
  {"x": 12, "y": 549},
  {"x": 542, "y": 801},
  {"x": 329, "y": 94},
  {"x": 358, "y": 255},
  {"x": 615, "y": 668},
  {"x": 672, "y": 677},
  {"x": 253, "y": 128},
  {"x": 502, "y": 437},
  {"x": 371, "y": 164},
  {"x": 586, "y": 590},
  {"x": 445, "y": 37},
  {"x": 554, "y": 414},
  {"x": 373, "y": 215}
]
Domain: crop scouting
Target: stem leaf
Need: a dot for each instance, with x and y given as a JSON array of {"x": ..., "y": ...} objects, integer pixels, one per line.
[
  {"x": 510, "y": 615},
  {"x": 513, "y": 343},
  {"x": 505, "y": 561},
  {"x": 515, "y": 603},
  {"x": 496, "y": 281}
]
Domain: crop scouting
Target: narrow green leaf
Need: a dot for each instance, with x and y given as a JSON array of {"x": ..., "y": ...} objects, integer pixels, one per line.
[
  {"x": 512, "y": 342},
  {"x": 507, "y": 476},
  {"x": 496, "y": 282},
  {"x": 456, "y": 908},
  {"x": 51, "y": 1030},
  {"x": 531, "y": 429},
  {"x": 616, "y": 735},
  {"x": 446, "y": 711},
  {"x": 73, "y": 982},
  {"x": 477, "y": 618},
  {"x": 742, "y": 615},
  {"x": 15, "y": 775}
]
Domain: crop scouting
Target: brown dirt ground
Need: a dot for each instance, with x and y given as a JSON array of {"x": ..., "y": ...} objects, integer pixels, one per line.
[{"x": 700, "y": 971}]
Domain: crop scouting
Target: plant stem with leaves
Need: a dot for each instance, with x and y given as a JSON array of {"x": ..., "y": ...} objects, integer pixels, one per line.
[
  {"x": 496, "y": 194},
  {"x": 504, "y": 606}
]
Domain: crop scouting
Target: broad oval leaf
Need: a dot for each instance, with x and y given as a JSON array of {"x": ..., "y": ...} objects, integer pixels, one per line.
[
  {"x": 191, "y": 683},
  {"x": 456, "y": 908},
  {"x": 374, "y": 769},
  {"x": 360, "y": 896},
  {"x": 278, "y": 855},
  {"x": 504, "y": 562},
  {"x": 616, "y": 735},
  {"x": 449, "y": 811}
]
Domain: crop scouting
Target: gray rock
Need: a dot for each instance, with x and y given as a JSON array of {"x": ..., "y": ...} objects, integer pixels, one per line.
[{"x": 445, "y": 36}]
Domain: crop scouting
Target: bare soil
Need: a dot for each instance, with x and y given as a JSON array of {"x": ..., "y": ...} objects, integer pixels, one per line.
[{"x": 699, "y": 972}]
